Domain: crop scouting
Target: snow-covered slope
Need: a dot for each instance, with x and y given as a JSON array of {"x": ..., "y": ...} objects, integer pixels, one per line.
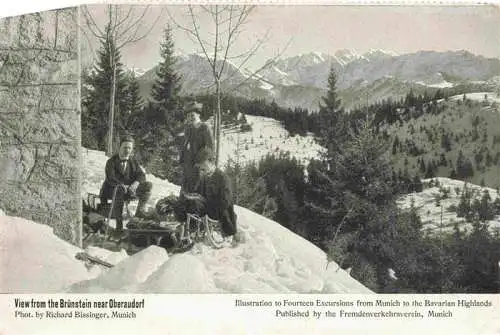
[
  {"x": 271, "y": 259},
  {"x": 33, "y": 259},
  {"x": 478, "y": 96},
  {"x": 432, "y": 214},
  {"x": 267, "y": 136}
]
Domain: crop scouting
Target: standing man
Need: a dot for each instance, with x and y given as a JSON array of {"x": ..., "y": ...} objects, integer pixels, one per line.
[
  {"x": 197, "y": 140},
  {"x": 124, "y": 174}
]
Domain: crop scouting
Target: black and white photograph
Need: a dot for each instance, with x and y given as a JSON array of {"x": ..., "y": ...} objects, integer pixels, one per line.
[
  {"x": 291, "y": 149},
  {"x": 231, "y": 149}
]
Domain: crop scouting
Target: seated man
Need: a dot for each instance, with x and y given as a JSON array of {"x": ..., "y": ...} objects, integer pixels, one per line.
[
  {"x": 124, "y": 174},
  {"x": 213, "y": 197}
]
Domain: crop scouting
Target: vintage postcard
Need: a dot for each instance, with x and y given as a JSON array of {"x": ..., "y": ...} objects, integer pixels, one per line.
[{"x": 316, "y": 157}]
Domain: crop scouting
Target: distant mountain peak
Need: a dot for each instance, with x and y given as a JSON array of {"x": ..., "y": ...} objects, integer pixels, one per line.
[
  {"x": 378, "y": 53},
  {"x": 345, "y": 56},
  {"x": 300, "y": 80},
  {"x": 138, "y": 71}
]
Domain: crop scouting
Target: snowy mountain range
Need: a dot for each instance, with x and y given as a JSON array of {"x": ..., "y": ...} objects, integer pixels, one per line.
[{"x": 302, "y": 80}]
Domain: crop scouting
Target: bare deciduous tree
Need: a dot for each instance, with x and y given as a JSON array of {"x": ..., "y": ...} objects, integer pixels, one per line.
[
  {"x": 217, "y": 38},
  {"x": 125, "y": 25}
]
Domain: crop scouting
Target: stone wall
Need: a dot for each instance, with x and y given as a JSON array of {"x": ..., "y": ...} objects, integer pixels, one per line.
[{"x": 40, "y": 120}]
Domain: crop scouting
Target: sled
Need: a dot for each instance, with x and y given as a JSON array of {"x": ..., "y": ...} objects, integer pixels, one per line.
[
  {"x": 182, "y": 235},
  {"x": 93, "y": 221},
  {"x": 151, "y": 232},
  {"x": 140, "y": 233},
  {"x": 206, "y": 230},
  {"x": 97, "y": 215}
]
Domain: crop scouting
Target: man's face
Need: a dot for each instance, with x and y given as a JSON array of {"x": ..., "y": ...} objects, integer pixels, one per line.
[
  {"x": 193, "y": 117},
  {"x": 126, "y": 149},
  {"x": 206, "y": 168}
]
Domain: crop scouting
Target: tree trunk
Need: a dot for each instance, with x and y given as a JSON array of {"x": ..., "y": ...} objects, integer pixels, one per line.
[
  {"x": 111, "y": 112},
  {"x": 217, "y": 123}
]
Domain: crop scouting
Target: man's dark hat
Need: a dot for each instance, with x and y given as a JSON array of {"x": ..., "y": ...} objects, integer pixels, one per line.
[
  {"x": 193, "y": 106},
  {"x": 126, "y": 138}
]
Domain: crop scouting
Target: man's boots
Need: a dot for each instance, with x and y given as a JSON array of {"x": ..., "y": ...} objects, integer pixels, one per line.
[
  {"x": 143, "y": 214},
  {"x": 141, "y": 210}
]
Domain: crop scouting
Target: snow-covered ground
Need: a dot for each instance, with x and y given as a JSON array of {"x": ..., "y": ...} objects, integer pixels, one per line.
[
  {"x": 443, "y": 84},
  {"x": 479, "y": 96},
  {"x": 267, "y": 136},
  {"x": 432, "y": 214},
  {"x": 33, "y": 259},
  {"x": 271, "y": 259}
]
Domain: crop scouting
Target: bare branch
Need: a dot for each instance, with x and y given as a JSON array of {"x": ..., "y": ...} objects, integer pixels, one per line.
[
  {"x": 191, "y": 33},
  {"x": 115, "y": 21},
  {"x": 228, "y": 42},
  {"x": 136, "y": 39},
  {"x": 125, "y": 19},
  {"x": 234, "y": 31},
  {"x": 209, "y": 10},
  {"x": 216, "y": 18},
  {"x": 91, "y": 24},
  {"x": 197, "y": 35},
  {"x": 133, "y": 24},
  {"x": 77, "y": 19}
]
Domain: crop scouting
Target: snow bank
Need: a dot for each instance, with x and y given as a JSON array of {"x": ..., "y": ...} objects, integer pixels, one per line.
[
  {"x": 338, "y": 280},
  {"x": 126, "y": 275},
  {"x": 283, "y": 240},
  {"x": 183, "y": 273},
  {"x": 33, "y": 259},
  {"x": 272, "y": 260}
]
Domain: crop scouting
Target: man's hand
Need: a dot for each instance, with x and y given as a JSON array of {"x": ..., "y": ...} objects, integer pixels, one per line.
[
  {"x": 122, "y": 187},
  {"x": 194, "y": 196},
  {"x": 133, "y": 188}
]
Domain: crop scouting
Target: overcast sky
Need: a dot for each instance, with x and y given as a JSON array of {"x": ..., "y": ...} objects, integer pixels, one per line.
[{"x": 303, "y": 29}]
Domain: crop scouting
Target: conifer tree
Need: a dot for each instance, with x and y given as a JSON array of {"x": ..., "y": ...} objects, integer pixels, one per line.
[
  {"x": 133, "y": 113},
  {"x": 352, "y": 194},
  {"x": 166, "y": 88},
  {"x": 164, "y": 117},
  {"x": 331, "y": 123},
  {"x": 96, "y": 101}
]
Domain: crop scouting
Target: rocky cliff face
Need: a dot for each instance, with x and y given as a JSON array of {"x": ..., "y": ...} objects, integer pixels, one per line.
[{"x": 40, "y": 120}]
